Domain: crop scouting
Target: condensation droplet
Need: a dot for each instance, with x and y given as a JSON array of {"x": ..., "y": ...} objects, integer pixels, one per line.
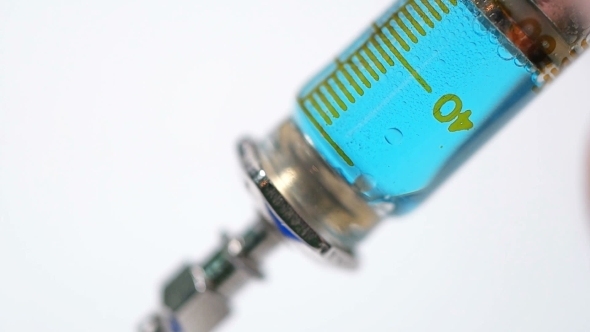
[
  {"x": 394, "y": 136},
  {"x": 479, "y": 28},
  {"x": 519, "y": 62},
  {"x": 531, "y": 69},
  {"x": 364, "y": 183},
  {"x": 494, "y": 39},
  {"x": 505, "y": 54}
]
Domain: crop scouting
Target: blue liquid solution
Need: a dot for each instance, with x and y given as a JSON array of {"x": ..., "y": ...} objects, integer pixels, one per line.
[{"x": 404, "y": 101}]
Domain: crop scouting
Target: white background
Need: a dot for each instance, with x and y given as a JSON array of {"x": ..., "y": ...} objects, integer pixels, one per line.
[{"x": 118, "y": 125}]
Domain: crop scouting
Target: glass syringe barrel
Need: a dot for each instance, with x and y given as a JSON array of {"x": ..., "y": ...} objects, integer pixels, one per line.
[
  {"x": 429, "y": 79},
  {"x": 379, "y": 128}
]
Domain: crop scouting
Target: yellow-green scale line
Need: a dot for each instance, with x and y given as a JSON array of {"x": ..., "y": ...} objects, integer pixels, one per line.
[
  {"x": 350, "y": 80},
  {"x": 373, "y": 57},
  {"x": 384, "y": 38},
  {"x": 421, "y": 13},
  {"x": 442, "y": 6},
  {"x": 409, "y": 67},
  {"x": 367, "y": 65},
  {"x": 379, "y": 47},
  {"x": 325, "y": 135},
  {"x": 453, "y": 2},
  {"x": 405, "y": 28},
  {"x": 320, "y": 111},
  {"x": 412, "y": 20},
  {"x": 358, "y": 73},
  {"x": 335, "y": 96},
  {"x": 397, "y": 37},
  {"x": 432, "y": 10},
  {"x": 326, "y": 102}
]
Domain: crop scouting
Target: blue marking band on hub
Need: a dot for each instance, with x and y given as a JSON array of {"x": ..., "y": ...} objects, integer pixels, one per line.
[
  {"x": 281, "y": 226},
  {"x": 175, "y": 325}
]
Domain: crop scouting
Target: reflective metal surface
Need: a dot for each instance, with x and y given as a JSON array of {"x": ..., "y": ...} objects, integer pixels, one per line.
[
  {"x": 298, "y": 195},
  {"x": 196, "y": 299},
  {"x": 549, "y": 33}
]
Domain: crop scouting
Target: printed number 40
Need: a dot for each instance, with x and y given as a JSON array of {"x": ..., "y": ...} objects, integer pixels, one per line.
[{"x": 459, "y": 118}]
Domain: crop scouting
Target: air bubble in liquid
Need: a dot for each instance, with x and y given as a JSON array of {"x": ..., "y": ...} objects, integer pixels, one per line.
[{"x": 394, "y": 136}]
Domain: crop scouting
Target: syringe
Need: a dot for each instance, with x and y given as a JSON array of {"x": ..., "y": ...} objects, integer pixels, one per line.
[{"x": 376, "y": 131}]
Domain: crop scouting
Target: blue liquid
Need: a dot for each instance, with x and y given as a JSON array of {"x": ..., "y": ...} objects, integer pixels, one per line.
[{"x": 400, "y": 105}]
